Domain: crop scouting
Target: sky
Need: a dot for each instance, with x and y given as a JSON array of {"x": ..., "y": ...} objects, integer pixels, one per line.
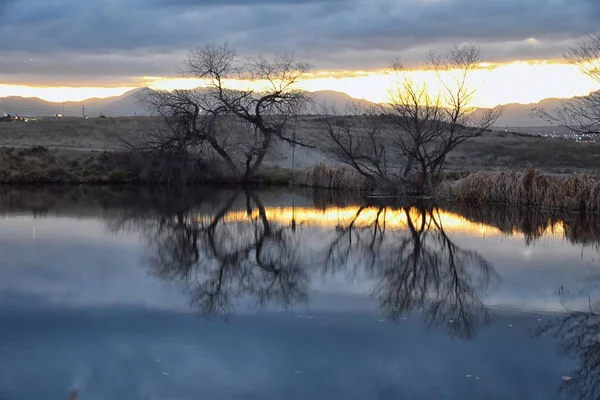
[{"x": 68, "y": 49}]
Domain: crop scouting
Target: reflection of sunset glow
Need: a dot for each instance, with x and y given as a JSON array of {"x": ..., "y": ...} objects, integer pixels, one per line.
[
  {"x": 392, "y": 218},
  {"x": 519, "y": 81}
]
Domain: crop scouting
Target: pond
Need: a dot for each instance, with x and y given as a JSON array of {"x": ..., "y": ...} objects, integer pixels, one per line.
[{"x": 123, "y": 293}]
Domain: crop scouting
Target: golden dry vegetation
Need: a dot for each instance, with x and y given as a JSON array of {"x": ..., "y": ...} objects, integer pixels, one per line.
[{"x": 529, "y": 187}]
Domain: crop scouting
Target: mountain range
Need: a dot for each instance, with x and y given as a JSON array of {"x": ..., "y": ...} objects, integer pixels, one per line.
[
  {"x": 513, "y": 115},
  {"x": 116, "y": 106}
]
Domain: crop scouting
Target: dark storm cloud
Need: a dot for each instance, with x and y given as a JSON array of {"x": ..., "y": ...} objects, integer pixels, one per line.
[
  {"x": 332, "y": 33},
  {"x": 209, "y": 3}
]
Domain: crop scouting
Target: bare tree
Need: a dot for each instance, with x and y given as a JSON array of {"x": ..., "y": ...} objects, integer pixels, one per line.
[
  {"x": 422, "y": 125},
  {"x": 580, "y": 114},
  {"x": 236, "y": 125},
  {"x": 361, "y": 139},
  {"x": 430, "y": 125}
]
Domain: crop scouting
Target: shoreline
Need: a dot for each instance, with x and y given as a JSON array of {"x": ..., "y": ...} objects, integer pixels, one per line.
[{"x": 38, "y": 165}]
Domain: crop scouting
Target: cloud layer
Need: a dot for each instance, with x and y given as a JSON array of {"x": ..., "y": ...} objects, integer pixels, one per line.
[{"x": 74, "y": 40}]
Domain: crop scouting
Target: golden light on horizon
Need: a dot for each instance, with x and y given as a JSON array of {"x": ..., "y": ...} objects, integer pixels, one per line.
[
  {"x": 496, "y": 83},
  {"x": 59, "y": 94},
  {"x": 516, "y": 82}
]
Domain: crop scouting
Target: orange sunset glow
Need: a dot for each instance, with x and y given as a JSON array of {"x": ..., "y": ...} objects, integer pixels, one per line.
[
  {"x": 395, "y": 219},
  {"x": 515, "y": 82}
]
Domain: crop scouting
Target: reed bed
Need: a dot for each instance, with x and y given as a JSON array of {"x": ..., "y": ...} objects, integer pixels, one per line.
[
  {"x": 329, "y": 177},
  {"x": 574, "y": 192}
]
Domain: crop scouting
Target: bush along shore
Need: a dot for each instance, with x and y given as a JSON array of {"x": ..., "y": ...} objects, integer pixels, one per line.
[{"x": 529, "y": 187}]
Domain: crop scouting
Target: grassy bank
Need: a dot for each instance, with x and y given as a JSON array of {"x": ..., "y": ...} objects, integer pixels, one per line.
[
  {"x": 491, "y": 151},
  {"x": 529, "y": 187},
  {"x": 41, "y": 165},
  {"x": 38, "y": 164}
]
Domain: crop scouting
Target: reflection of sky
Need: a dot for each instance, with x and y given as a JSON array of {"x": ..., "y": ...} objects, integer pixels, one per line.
[
  {"x": 78, "y": 311},
  {"x": 79, "y": 262},
  {"x": 530, "y": 276},
  {"x": 75, "y": 262},
  {"x": 137, "y": 355}
]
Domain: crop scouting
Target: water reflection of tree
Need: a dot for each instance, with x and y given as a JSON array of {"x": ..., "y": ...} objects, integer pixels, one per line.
[
  {"x": 220, "y": 261},
  {"x": 418, "y": 269},
  {"x": 578, "y": 335},
  {"x": 577, "y": 228}
]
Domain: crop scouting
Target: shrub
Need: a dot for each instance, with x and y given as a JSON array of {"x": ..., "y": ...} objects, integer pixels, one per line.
[{"x": 117, "y": 176}]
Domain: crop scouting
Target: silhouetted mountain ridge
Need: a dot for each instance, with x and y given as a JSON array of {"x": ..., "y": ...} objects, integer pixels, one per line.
[{"x": 514, "y": 114}]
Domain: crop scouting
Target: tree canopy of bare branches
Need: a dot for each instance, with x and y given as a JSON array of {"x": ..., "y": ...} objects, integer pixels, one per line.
[
  {"x": 407, "y": 142},
  {"x": 579, "y": 114},
  {"x": 244, "y": 106},
  {"x": 359, "y": 139}
]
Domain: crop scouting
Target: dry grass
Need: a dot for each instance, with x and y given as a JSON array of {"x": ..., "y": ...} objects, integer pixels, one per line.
[
  {"x": 42, "y": 165},
  {"x": 492, "y": 151},
  {"x": 75, "y": 133},
  {"x": 577, "y": 191},
  {"x": 339, "y": 178}
]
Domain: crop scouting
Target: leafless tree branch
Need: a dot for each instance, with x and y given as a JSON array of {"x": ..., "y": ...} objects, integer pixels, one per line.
[{"x": 580, "y": 114}]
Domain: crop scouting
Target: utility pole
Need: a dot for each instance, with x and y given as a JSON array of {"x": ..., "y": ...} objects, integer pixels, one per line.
[
  {"x": 63, "y": 113},
  {"x": 83, "y": 111},
  {"x": 293, "y": 149}
]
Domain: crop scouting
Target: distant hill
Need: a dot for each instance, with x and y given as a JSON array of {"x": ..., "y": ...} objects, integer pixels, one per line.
[
  {"x": 335, "y": 101},
  {"x": 128, "y": 105},
  {"x": 115, "y": 106},
  {"x": 514, "y": 114}
]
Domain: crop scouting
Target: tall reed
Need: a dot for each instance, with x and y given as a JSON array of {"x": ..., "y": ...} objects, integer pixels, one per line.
[{"x": 578, "y": 191}]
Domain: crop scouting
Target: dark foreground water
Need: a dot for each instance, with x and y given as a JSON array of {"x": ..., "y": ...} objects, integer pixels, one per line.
[{"x": 231, "y": 294}]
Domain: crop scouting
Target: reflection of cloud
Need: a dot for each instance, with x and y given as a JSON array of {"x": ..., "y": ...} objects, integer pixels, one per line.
[
  {"x": 528, "y": 252},
  {"x": 256, "y": 358}
]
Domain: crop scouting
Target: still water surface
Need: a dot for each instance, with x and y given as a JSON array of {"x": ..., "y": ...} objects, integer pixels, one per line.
[{"x": 233, "y": 294}]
